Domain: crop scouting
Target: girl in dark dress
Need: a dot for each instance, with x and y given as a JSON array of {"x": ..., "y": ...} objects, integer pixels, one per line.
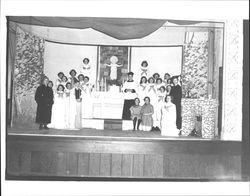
[{"x": 44, "y": 99}]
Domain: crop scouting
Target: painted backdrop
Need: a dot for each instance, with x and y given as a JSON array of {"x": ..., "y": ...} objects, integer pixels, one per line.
[{"x": 28, "y": 69}]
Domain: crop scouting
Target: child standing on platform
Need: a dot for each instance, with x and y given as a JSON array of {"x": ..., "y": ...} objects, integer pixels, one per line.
[
  {"x": 58, "y": 110},
  {"x": 147, "y": 111},
  {"x": 136, "y": 114}
]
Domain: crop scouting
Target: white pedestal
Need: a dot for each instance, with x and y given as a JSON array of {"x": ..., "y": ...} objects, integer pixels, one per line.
[
  {"x": 107, "y": 105},
  {"x": 127, "y": 125},
  {"x": 93, "y": 123}
]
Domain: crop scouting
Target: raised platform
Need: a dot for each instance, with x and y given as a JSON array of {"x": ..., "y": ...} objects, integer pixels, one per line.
[{"x": 107, "y": 124}]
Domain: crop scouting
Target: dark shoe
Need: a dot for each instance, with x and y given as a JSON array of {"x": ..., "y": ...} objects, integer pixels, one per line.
[
  {"x": 45, "y": 127},
  {"x": 40, "y": 127}
]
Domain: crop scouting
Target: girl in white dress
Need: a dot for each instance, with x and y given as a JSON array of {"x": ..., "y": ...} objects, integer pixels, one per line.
[
  {"x": 81, "y": 79},
  {"x": 165, "y": 79},
  {"x": 70, "y": 107},
  {"x": 142, "y": 88},
  {"x": 59, "y": 79},
  {"x": 67, "y": 105},
  {"x": 161, "y": 93},
  {"x": 151, "y": 92},
  {"x": 158, "y": 84},
  {"x": 86, "y": 99},
  {"x": 72, "y": 78},
  {"x": 86, "y": 68},
  {"x": 168, "y": 89},
  {"x": 168, "y": 119},
  {"x": 64, "y": 81},
  {"x": 144, "y": 69},
  {"x": 58, "y": 110}
]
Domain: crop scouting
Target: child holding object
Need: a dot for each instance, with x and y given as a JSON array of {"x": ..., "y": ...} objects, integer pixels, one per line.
[
  {"x": 136, "y": 113},
  {"x": 147, "y": 112}
]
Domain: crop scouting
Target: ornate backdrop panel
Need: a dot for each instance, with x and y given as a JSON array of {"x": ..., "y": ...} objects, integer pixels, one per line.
[
  {"x": 195, "y": 67},
  {"x": 28, "y": 69}
]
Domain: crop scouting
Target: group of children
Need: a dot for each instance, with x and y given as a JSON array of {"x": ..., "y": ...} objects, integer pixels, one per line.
[
  {"x": 159, "y": 103},
  {"x": 72, "y": 98}
]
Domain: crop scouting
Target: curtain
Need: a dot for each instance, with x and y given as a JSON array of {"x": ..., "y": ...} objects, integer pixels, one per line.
[{"x": 119, "y": 28}]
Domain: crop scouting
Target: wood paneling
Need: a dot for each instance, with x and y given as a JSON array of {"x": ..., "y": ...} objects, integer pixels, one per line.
[
  {"x": 124, "y": 145},
  {"x": 105, "y": 168},
  {"x": 153, "y": 165},
  {"x": 138, "y": 165},
  {"x": 94, "y": 164},
  {"x": 127, "y": 165},
  {"x": 116, "y": 165},
  {"x": 83, "y": 164},
  {"x": 168, "y": 159}
]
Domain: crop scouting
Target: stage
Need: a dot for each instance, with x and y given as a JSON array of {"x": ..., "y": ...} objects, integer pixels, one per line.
[
  {"x": 124, "y": 155},
  {"x": 95, "y": 133}
]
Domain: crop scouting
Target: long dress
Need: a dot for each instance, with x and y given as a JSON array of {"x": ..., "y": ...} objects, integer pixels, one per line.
[
  {"x": 72, "y": 109},
  {"x": 151, "y": 92},
  {"x": 142, "y": 92},
  {"x": 176, "y": 92},
  {"x": 78, "y": 103},
  {"x": 44, "y": 99},
  {"x": 87, "y": 110},
  {"x": 160, "y": 102},
  {"x": 129, "y": 98},
  {"x": 58, "y": 111},
  {"x": 67, "y": 107},
  {"x": 168, "y": 120},
  {"x": 147, "y": 111}
]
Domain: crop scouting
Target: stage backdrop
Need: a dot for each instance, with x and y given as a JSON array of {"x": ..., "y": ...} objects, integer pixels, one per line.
[
  {"x": 195, "y": 67},
  {"x": 64, "y": 57},
  {"x": 160, "y": 60},
  {"x": 28, "y": 69}
]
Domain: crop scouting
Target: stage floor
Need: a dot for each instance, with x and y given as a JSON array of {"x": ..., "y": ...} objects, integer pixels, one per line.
[{"x": 95, "y": 134}]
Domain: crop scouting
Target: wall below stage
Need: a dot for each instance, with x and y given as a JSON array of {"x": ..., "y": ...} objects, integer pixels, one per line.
[{"x": 36, "y": 156}]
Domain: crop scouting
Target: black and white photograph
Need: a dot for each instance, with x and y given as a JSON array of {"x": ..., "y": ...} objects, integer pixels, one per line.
[{"x": 105, "y": 98}]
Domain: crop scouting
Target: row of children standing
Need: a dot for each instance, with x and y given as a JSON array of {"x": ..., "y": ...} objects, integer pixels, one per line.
[{"x": 72, "y": 100}]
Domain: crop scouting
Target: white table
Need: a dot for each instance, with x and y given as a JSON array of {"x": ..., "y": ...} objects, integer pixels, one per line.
[{"x": 107, "y": 105}]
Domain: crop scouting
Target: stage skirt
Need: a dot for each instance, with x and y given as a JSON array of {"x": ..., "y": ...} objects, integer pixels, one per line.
[{"x": 126, "y": 114}]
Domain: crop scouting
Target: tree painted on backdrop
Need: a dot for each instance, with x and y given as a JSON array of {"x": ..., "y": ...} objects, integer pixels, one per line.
[
  {"x": 195, "y": 68},
  {"x": 28, "y": 69}
]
